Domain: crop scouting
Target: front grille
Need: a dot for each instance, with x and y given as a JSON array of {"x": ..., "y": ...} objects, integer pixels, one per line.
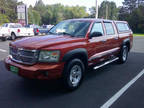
[{"x": 24, "y": 56}]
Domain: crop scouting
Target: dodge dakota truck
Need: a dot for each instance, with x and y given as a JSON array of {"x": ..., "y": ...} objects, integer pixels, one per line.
[{"x": 69, "y": 49}]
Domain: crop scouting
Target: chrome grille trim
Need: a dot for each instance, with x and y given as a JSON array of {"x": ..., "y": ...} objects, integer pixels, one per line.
[
  {"x": 22, "y": 62},
  {"x": 24, "y": 56}
]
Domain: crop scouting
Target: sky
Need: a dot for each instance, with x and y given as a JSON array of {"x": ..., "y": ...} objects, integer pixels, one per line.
[{"x": 86, "y": 3}]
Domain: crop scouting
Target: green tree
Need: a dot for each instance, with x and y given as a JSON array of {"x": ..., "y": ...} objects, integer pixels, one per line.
[
  {"x": 8, "y": 8},
  {"x": 92, "y": 12},
  {"x": 136, "y": 20},
  {"x": 40, "y": 7},
  {"x": 47, "y": 17},
  {"x": 33, "y": 16},
  {"x": 133, "y": 13},
  {"x": 3, "y": 19},
  {"x": 57, "y": 12},
  {"x": 106, "y": 10},
  {"x": 129, "y": 5}
]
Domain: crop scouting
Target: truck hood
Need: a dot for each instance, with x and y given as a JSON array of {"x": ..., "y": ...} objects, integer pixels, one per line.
[{"x": 39, "y": 42}]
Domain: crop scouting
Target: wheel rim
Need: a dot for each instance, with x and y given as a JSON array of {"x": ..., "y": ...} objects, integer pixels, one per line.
[
  {"x": 124, "y": 53},
  {"x": 13, "y": 36},
  {"x": 75, "y": 75}
]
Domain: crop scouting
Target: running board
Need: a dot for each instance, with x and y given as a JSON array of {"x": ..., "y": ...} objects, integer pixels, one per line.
[{"x": 106, "y": 63}]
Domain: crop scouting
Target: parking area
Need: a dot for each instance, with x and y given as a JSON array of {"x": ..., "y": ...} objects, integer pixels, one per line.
[{"x": 98, "y": 88}]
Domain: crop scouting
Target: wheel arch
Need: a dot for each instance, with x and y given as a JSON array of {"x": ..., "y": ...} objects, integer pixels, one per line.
[
  {"x": 127, "y": 43},
  {"x": 80, "y": 53},
  {"x": 13, "y": 33}
]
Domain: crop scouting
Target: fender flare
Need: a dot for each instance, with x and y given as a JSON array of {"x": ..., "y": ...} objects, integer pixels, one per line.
[
  {"x": 126, "y": 41},
  {"x": 75, "y": 52}
]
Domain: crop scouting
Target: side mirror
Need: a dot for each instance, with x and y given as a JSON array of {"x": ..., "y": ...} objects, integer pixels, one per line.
[{"x": 96, "y": 34}]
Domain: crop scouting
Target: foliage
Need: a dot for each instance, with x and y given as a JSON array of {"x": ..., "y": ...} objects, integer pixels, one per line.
[
  {"x": 52, "y": 14},
  {"x": 129, "y": 5},
  {"x": 134, "y": 14},
  {"x": 110, "y": 8},
  {"x": 138, "y": 34},
  {"x": 136, "y": 20},
  {"x": 8, "y": 11},
  {"x": 3, "y": 19},
  {"x": 107, "y": 10},
  {"x": 33, "y": 16}
]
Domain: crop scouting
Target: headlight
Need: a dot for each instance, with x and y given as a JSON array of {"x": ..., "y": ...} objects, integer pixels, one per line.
[{"x": 49, "y": 56}]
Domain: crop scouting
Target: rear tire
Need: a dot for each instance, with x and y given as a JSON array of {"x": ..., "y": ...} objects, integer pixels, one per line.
[
  {"x": 13, "y": 36},
  {"x": 3, "y": 39},
  {"x": 73, "y": 74},
  {"x": 123, "y": 54}
]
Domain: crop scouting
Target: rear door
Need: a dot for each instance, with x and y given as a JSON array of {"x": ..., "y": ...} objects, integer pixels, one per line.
[{"x": 112, "y": 38}]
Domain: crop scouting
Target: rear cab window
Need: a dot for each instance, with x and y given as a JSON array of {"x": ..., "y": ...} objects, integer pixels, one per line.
[
  {"x": 17, "y": 26},
  {"x": 122, "y": 27},
  {"x": 11, "y": 26}
]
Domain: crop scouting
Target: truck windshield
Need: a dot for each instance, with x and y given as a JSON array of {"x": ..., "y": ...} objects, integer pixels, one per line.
[
  {"x": 71, "y": 28},
  {"x": 5, "y": 25}
]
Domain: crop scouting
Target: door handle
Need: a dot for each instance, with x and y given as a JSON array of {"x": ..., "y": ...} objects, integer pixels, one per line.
[
  {"x": 115, "y": 38},
  {"x": 103, "y": 40}
]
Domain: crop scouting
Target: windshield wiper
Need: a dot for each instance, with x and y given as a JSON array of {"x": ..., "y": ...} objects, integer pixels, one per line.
[
  {"x": 62, "y": 33},
  {"x": 65, "y": 33},
  {"x": 51, "y": 32}
]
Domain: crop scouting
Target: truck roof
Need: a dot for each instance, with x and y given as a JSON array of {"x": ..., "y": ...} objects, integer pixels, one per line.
[{"x": 94, "y": 19}]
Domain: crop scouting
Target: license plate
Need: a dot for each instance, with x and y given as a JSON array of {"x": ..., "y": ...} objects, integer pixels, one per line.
[{"x": 14, "y": 69}]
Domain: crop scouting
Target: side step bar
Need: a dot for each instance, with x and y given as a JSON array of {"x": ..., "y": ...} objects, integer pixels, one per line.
[{"x": 106, "y": 63}]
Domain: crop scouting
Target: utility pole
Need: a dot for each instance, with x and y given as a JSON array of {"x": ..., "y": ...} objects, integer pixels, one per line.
[
  {"x": 96, "y": 15},
  {"x": 106, "y": 10}
]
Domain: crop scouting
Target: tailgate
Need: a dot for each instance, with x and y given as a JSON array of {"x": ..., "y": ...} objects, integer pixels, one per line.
[
  {"x": 4, "y": 31},
  {"x": 26, "y": 32}
]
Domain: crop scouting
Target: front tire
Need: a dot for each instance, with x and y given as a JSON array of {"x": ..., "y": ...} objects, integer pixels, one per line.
[
  {"x": 73, "y": 74},
  {"x": 123, "y": 54}
]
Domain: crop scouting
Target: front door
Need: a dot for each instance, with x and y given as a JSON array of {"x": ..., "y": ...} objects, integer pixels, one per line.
[{"x": 97, "y": 44}]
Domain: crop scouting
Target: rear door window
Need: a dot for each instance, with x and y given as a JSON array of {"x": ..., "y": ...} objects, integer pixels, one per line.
[{"x": 109, "y": 28}]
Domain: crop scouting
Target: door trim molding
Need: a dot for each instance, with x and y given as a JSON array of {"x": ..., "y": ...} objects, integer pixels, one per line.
[{"x": 104, "y": 53}]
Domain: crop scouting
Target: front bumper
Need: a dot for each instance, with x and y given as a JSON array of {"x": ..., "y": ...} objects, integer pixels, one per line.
[{"x": 39, "y": 71}]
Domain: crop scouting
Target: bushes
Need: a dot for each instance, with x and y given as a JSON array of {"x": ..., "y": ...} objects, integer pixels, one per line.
[{"x": 3, "y": 19}]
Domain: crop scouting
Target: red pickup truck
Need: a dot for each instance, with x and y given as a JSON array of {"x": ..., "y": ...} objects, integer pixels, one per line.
[{"x": 69, "y": 49}]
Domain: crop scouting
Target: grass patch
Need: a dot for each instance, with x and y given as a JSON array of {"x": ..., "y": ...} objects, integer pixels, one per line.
[{"x": 137, "y": 34}]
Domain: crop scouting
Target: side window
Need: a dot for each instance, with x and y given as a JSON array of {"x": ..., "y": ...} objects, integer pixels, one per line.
[
  {"x": 109, "y": 28},
  {"x": 97, "y": 27},
  {"x": 122, "y": 27},
  {"x": 11, "y": 26}
]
